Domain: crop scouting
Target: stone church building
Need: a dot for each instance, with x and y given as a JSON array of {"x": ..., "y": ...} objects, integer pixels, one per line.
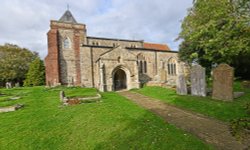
[{"x": 104, "y": 63}]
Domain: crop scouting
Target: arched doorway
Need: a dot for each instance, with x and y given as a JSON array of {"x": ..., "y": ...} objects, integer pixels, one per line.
[{"x": 120, "y": 80}]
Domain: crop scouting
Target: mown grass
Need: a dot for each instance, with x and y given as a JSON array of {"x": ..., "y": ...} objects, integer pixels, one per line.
[
  {"x": 225, "y": 111},
  {"x": 113, "y": 123},
  {"x": 22, "y": 92}
]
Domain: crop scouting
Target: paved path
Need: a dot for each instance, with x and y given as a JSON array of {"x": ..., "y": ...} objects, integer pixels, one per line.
[{"x": 210, "y": 130}]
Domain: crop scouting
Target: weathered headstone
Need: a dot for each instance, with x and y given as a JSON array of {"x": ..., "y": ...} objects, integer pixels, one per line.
[
  {"x": 17, "y": 84},
  {"x": 181, "y": 85},
  {"x": 8, "y": 85},
  {"x": 198, "y": 81},
  {"x": 223, "y": 76},
  {"x": 62, "y": 95}
]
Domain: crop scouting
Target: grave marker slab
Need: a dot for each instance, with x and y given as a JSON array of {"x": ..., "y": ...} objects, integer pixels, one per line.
[
  {"x": 198, "y": 81},
  {"x": 223, "y": 76},
  {"x": 62, "y": 95},
  {"x": 181, "y": 85}
]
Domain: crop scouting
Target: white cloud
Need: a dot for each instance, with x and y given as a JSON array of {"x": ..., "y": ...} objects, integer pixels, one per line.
[{"x": 26, "y": 22}]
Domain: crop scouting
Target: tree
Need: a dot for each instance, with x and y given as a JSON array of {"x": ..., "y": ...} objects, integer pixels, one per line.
[
  {"x": 36, "y": 73},
  {"x": 216, "y": 31},
  {"x": 14, "y": 62}
]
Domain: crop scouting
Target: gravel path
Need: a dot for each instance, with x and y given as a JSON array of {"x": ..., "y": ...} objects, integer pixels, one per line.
[{"x": 212, "y": 131}]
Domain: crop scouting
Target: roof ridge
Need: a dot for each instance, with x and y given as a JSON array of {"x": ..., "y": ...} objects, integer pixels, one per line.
[{"x": 115, "y": 39}]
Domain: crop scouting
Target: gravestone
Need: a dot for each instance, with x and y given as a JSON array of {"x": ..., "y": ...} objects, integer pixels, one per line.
[
  {"x": 17, "y": 84},
  {"x": 223, "y": 76},
  {"x": 8, "y": 85},
  {"x": 181, "y": 85},
  {"x": 198, "y": 81},
  {"x": 62, "y": 95}
]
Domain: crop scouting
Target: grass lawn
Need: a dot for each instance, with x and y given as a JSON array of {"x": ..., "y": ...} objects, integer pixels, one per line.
[
  {"x": 113, "y": 123},
  {"x": 224, "y": 111},
  {"x": 22, "y": 92}
]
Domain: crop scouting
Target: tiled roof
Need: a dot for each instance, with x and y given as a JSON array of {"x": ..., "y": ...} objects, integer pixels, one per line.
[
  {"x": 163, "y": 47},
  {"x": 67, "y": 17}
]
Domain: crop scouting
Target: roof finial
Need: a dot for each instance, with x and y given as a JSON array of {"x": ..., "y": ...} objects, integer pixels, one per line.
[{"x": 67, "y": 6}]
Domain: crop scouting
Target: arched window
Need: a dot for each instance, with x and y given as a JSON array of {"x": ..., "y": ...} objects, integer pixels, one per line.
[
  {"x": 172, "y": 69},
  {"x": 142, "y": 63},
  {"x": 145, "y": 67},
  {"x": 119, "y": 59},
  {"x": 141, "y": 67},
  {"x": 169, "y": 69},
  {"x": 172, "y": 66},
  {"x": 66, "y": 43}
]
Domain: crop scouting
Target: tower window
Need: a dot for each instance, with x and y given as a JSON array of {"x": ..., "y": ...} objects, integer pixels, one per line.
[{"x": 67, "y": 43}]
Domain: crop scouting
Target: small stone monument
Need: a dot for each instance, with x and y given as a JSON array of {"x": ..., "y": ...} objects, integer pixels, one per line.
[
  {"x": 223, "y": 76},
  {"x": 181, "y": 85},
  {"x": 62, "y": 95},
  {"x": 8, "y": 85},
  {"x": 17, "y": 84},
  {"x": 198, "y": 81}
]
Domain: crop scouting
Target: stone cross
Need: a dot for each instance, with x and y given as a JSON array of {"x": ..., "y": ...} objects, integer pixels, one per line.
[
  {"x": 181, "y": 85},
  {"x": 198, "y": 81},
  {"x": 223, "y": 76}
]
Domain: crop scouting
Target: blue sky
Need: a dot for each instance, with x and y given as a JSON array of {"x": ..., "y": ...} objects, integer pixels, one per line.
[{"x": 26, "y": 22}]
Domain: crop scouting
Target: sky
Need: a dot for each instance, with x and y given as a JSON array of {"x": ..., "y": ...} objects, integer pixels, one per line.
[{"x": 26, "y": 22}]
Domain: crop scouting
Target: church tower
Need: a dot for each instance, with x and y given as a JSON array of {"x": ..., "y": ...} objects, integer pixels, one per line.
[{"x": 65, "y": 38}]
